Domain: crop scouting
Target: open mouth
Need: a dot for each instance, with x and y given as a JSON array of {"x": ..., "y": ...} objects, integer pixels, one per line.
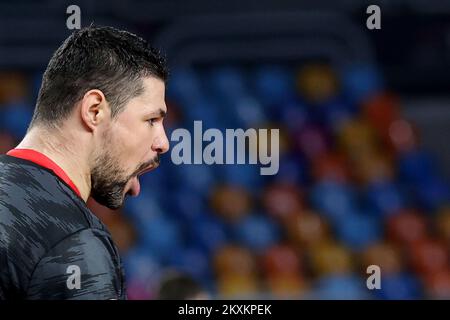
[
  {"x": 148, "y": 169},
  {"x": 135, "y": 186}
]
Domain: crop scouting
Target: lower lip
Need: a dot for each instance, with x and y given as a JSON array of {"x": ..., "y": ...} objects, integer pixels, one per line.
[{"x": 135, "y": 187}]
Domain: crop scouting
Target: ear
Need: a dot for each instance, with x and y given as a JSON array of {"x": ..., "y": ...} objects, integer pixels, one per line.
[{"x": 94, "y": 109}]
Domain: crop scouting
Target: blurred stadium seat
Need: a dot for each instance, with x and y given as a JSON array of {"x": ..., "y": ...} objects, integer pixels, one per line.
[{"x": 355, "y": 188}]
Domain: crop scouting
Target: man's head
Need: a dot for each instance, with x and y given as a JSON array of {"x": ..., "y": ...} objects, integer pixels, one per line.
[{"x": 109, "y": 85}]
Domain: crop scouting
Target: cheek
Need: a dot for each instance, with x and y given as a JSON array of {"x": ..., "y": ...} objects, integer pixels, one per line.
[
  {"x": 120, "y": 147},
  {"x": 114, "y": 147},
  {"x": 135, "y": 144}
]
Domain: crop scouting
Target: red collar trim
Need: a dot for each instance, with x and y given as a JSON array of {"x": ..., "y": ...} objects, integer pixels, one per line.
[{"x": 44, "y": 161}]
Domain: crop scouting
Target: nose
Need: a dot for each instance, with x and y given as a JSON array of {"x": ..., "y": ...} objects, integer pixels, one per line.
[{"x": 161, "y": 143}]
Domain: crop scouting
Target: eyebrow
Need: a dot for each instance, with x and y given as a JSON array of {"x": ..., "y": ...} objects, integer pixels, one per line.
[{"x": 160, "y": 112}]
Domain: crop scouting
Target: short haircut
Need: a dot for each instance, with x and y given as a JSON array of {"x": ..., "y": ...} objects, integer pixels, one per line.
[{"x": 96, "y": 57}]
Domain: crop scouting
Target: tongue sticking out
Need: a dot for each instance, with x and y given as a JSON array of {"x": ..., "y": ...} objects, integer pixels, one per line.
[{"x": 135, "y": 187}]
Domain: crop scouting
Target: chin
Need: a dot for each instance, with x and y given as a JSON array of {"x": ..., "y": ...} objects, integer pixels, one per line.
[{"x": 113, "y": 205}]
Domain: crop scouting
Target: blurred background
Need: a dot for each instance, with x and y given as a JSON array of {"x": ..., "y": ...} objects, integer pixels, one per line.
[{"x": 364, "y": 119}]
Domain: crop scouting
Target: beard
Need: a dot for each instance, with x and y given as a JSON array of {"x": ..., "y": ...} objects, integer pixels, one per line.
[{"x": 108, "y": 180}]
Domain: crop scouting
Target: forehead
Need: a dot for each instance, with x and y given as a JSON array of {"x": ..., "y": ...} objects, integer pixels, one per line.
[{"x": 152, "y": 98}]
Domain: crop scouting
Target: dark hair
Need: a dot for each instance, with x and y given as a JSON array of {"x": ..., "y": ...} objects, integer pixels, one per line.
[
  {"x": 178, "y": 286},
  {"x": 104, "y": 58}
]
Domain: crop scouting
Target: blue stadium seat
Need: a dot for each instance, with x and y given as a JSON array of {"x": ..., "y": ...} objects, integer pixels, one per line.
[{"x": 257, "y": 232}]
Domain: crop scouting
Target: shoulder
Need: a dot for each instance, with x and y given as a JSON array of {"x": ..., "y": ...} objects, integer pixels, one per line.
[
  {"x": 35, "y": 203},
  {"x": 36, "y": 210},
  {"x": 84, "y": 265},
  {"x": 39, "y": 213}
]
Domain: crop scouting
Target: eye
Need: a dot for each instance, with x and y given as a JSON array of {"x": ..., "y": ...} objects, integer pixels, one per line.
[{"x": 152, "y": 121}]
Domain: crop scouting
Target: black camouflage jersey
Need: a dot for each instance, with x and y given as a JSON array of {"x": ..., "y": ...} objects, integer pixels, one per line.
[{"x": 51, "y": 245}]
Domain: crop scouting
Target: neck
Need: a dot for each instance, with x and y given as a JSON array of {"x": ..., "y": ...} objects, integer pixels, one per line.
[{"x": 58, "y": 145}]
